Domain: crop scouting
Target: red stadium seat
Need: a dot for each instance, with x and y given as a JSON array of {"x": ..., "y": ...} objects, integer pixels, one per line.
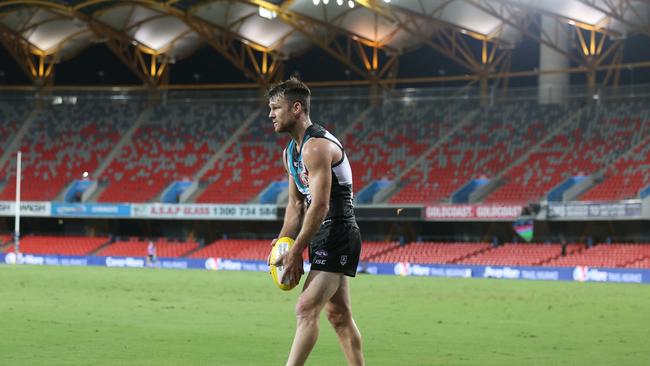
[
  {"x": 619, "y": 255},
  {"x": 63, "y": 245},
  {"x": 133, "y": 248},
  {"x": 520, "y": 254},
  {"x": 482, "y": 148},
  {"x": 430, "y": 252},
  {"x": 582, "y": 149},
  {"x": 65, "y": 141},
  {"x": 237, "y": 249},
  {"x": 173, "y": 144}
]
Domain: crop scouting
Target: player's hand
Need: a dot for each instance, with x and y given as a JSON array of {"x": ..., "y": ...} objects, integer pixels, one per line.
[
  {"x": 268, "y": 259},
  {"x": 293, "y": 266}
]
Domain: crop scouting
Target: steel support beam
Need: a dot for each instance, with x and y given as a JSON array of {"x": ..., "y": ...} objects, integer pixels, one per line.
[
  {"x": 611, "y": 11},
  {"x": 151, "y": 66},
  {"x": 143, "y": 65},
  {"x": 448, "y": 40},
  {"x": 328, "y": 40},
  {"x": 259, "y": 65},
  {"x": 522, "y": 23},
  {"x": 445, "y": 41},
  {"x": 358, "y": 54},
  {"x": 37, "y": 65}
]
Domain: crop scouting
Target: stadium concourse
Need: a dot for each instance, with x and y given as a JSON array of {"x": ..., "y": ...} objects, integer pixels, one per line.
[{"x": 438, "y": 181}]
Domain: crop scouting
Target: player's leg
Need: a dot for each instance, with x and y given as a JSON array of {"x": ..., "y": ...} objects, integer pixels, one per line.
[
  {"x": 318, "y": 289},
  {"x": 339, "y": 313}
]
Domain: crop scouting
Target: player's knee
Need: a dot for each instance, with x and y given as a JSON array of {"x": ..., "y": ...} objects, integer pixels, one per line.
[
  {"x": 339, "y": 317},
  {"x": 306, "y": 309}
]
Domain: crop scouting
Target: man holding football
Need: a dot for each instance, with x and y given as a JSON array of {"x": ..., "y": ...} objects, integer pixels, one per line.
[{"x": 319, "y": 215}]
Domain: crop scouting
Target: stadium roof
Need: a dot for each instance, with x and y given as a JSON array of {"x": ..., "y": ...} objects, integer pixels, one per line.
[{"x": 259, "y": 34}]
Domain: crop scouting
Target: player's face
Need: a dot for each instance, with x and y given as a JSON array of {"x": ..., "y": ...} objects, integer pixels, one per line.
[{"x": 280, "y": 114}]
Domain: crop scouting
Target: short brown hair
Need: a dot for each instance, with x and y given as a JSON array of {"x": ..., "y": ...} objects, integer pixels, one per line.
[{"x": 293, "y": 90}]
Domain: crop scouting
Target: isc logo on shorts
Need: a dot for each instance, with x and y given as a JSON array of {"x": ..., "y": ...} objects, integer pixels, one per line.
[{"x": 320, "y": 261}]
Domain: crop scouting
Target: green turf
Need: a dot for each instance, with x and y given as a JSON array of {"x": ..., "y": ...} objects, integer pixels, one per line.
[{"x": 109, "y": 316}]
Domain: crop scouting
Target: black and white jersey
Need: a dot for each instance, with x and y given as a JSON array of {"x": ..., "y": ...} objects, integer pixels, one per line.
[{"x": 341, "y": 207}]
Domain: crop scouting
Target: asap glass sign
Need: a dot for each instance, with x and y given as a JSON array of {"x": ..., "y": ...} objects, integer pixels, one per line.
[{"x": 204, "y": 211}]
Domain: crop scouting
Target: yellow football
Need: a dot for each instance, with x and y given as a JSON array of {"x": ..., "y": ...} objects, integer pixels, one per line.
[{"x": 280, "y": 247}]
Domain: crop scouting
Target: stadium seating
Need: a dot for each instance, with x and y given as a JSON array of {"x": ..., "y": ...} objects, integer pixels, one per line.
[
  {"x": 481, "y": 149},
  {"x": 641, "y": 263},
  {"x": 246, "y": 249},
  {"x": 63, "y": 245},
  {"x": 336, "y": 115},
  {"x": 255, "y": 160},
  {"x": 177, "y": 139},
  {"x": 601, "y": 136},
  {"x": 247, "y": 167},
  {"x": 431, "y": 252},
  {"x": 625, "y": 178},
  {"x": 65, "y": 141},
  {"x": 372, "y": 249},
  {"x": 394, "y": 135},
  {"x": 617, "y": 255},
  {"x": 12, "y": 114},
  {"x": 520, "y": 254},
  {"x": 173, "y": 144},
  {"x": 138, "y": 248},
  {"x": 235, "y": 249}
]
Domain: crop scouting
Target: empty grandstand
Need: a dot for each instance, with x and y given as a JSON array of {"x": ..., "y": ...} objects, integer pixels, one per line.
[
  {"x": 172, "y": 142},
  {"x": 487, "y": 139},
  {"x": 236, "y": 249},
  {"x": 64, "y": 141},
  {"x": 138, "y": 248},
  {"x": 65, "y": 245},
  {"x": 451, "y": 134},
  {"x": 615, "y": 255}
]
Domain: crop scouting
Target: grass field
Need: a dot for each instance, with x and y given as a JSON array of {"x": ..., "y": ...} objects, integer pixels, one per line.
[{"x": 109, "y": 316}]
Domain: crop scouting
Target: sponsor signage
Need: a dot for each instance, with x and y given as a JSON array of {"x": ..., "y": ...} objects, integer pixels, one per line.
[
  {"x": 223, "y": 264},
  {"x": 43, "y": 259},
  {"x": 27, "y": 208},
  {"x": 630, "y": 209},
  {"x": 90, "y": 210},
  {"x": 524, "y": 273},
  {"x": 580, "y": 273},
  {"x": 586, "y": 274},
  {"x": 140, "y": 262},
  {"x": 472, "y": 212},
  {"x": 428, "y": 270},
  {"x": 204, "y": 211}
]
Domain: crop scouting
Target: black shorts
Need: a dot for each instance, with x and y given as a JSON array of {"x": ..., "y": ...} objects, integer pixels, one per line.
[{"x": 336, "y": 248}]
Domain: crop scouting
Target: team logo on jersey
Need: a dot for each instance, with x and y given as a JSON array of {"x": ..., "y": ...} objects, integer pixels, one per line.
[
  {"x": 344, "y": 260},
  {"x": 304, "y": 178}
]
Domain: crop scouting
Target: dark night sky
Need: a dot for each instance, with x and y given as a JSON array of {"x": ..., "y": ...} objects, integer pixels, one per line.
[{"x": 97, "y": 65}]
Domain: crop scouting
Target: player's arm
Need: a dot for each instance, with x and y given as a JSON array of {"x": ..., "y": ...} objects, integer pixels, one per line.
[
  {"x": 294, "y": 213},
  {"x": 317, "y": 155}
]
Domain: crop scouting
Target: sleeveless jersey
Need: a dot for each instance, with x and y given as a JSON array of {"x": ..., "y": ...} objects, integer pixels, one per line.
[{"x": 341, "y": 207}]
